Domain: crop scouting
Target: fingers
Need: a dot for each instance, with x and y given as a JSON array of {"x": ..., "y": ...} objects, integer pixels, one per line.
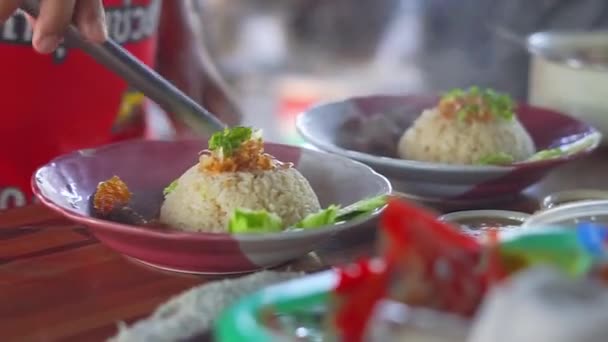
[
  {"x": 7, "y": 8},
  {"x": 54, "y": 18},
  {"x": 90, "y": 20},
  {"x": 56, "y": 15}
]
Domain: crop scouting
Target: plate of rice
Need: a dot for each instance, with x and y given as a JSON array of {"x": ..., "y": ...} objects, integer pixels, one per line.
[
  {"x": 233, "y": 204},
  {"x": 467, "y": 145}
]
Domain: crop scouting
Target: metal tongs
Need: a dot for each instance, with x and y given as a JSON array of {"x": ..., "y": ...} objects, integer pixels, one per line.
[{"x": 140, "y": 76}]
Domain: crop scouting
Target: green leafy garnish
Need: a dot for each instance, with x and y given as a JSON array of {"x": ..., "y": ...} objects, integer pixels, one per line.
[
  {"x": 467, "y": 111},
  {"x": 322, "y": 218},
  {"x": 230, "y": 139},
  {"x": 500, "y": 158},
  {"x": 498, "y": 104},
  {"x": 501, "y": 105},
  {"x": 453, "y": 94},
  {"x": 547, "y": 154},
  {"x": 582, "y": 144},
  {"x": 361, "y": 208},
  {"x": 254, "y": 221},
  {"x": 170, "y": 188},
  {"x": 261, "y": 221}
]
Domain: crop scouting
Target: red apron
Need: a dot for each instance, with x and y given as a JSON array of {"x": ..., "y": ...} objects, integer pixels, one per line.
[{"x": 54, "y": 104}]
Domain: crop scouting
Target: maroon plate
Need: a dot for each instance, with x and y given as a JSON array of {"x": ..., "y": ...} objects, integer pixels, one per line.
[
  {"x": 66, "y": 184},
  {"x": 367, "y": 129}
]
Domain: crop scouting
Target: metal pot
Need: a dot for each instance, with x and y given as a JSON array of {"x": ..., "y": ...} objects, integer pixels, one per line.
[{"x": 569, "y": 73}]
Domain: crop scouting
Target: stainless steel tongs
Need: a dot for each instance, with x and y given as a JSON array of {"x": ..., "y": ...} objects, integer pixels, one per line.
[{"x": 140, "y": 76}]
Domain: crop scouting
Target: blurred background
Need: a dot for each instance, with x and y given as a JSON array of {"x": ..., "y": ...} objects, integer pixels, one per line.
[{"x": 281, "y": 57}]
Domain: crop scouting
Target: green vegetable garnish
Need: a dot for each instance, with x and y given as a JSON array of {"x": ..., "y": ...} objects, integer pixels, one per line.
[
  {"x": 501, "y": 105},
  {"x": 498, "y": 104},
  {"x": 453, "y": 94},
  {"x": 361, "y": 208},
  {"x": 467, "y": 111},
  {"x": 170, "y": 188},
  {"x": 230, "y": 139},
  {"x": 254, "y": 221},
  {"x": 319, "y": 219},
  {"x": 546, "y": 154},
  {"x": 500, "y": 158},
  {"x": 261, "y": 221},
  {"x": 574, "y": 147}
]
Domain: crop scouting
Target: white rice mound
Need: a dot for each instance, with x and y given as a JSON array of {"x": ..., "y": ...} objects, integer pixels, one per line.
[
  {"x": 204, "y": 202},
  {"x": 434, "y": 138}
]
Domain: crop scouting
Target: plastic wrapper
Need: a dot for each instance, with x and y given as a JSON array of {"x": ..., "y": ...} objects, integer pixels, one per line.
[
  {"x": 433, "y": 283},
  {"x": 540, "y": 304}
]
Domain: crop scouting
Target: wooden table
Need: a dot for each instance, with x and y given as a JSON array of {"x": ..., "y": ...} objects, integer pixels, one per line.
[{"x": 58, "y": 283}]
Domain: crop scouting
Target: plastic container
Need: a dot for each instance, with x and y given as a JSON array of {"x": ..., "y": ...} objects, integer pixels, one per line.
[
  {"x": 397, "y": 322},
  {"x": 475, "y": 222},
  {"x": 571, "y": 214},
  {"x": 296, "y": 311},
  {"x": 585, "y": 87}
]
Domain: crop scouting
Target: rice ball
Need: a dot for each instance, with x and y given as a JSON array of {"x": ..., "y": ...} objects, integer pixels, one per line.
[
  {"x": 436, "y": 138},
  {"x": 204, "y": 201}
]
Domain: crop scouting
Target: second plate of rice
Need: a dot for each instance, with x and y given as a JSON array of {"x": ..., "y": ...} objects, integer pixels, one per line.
[{"x": 463, "y": 146}]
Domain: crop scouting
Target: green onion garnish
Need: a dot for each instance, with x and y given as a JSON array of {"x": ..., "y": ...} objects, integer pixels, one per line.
[{"x": 498, "y": 104}]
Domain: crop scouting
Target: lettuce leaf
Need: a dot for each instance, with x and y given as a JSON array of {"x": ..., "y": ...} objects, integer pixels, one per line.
[
  {"x": 254, "y": 221},
  {"x": 574, "y": 147},
  {"x": 362, "y": 208},
  {"x": 261, "y": 221},
  {"x": 547, "y": 154},
  {"x": 500, "y": 158},
  {"x": 322, "y": 218}
]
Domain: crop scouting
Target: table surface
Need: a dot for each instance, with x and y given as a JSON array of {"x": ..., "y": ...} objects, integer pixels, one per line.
[{"x": 58, "y": 283}]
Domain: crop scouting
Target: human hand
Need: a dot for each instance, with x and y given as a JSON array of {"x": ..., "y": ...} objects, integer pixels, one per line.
[
  {"x": 54, "y": 18},
  {"x": 184, "y": 61},
  {"x": 206, "y": 89}
]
